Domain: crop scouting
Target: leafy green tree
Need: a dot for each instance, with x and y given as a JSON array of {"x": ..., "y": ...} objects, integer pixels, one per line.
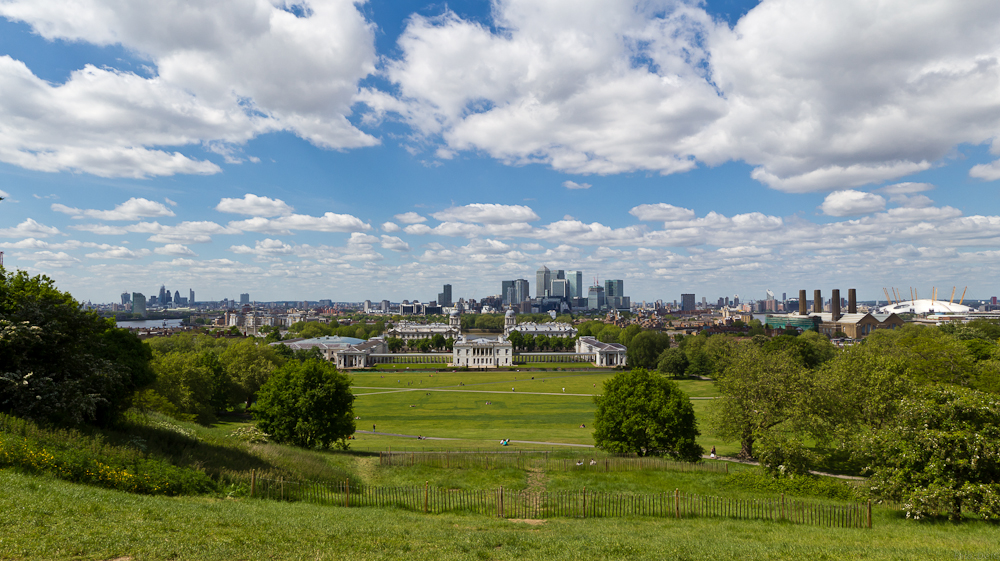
[
  {"x": 672, "y": 362},
  {"x": 249, "y": 365},
  {"x": 59, "y": 363},
  {"x": 931, "y": 355},
  {"x": 529, "y": 342},
  {"x": 646, "y": 348},
  {"x": 394, "y": 344},
  {"x": 763, "y": 395},
  {"x": 516, "y": 339},
  {"x": 361, "y": 333},
  {"x": 644, "y": 413},
  {"x": 609, "y": 334},
  {"x": 939, "y": 455},
  {"x": 449, "y": 344},
  {"x": 626, "y": 335},
  {"x": 307, "y": 404},
  {"x": 273, "y": 337},
  {"x": 756, "y": 327},
  {"x": 437, "y": 341},
  {"x": 542, "y": 341}
]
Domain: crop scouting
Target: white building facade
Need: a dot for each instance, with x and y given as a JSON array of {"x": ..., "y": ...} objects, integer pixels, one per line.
[
  {"x": 605, "y": 354},
  {"x": 482, "y": 353}
]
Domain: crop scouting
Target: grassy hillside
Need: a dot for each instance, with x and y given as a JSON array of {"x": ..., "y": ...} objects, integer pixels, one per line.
[{"x": 42, "y": 518}]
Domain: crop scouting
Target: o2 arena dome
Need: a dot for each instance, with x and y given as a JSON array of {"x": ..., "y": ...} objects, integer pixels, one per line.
[{"x": 925, "y": 306}]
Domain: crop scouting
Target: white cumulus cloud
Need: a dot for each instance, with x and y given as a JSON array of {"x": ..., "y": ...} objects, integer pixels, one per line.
[
  {"x": 574, "y": 185},
  {"x": 410, "y": 218},
  {"x": 851, "y": 203},
  {"x": 30, "y": 228},
  {"x": 130, "y": 210},
  {"x": 487, "y": 213},
  {"x": 252, "y": 205},
  {"x": 225, "y": 72}
]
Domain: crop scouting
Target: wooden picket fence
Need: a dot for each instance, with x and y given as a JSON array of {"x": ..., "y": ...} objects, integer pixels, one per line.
[
  {"x": 519, "y": 460},
  {"x": 506, "y": 503}
]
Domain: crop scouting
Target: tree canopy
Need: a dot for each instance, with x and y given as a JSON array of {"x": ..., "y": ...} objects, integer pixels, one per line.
[
  {"x": 645, "y": 413},
  {"x": 62, "y": 364},
  {"x": 645, "y": 348},
  {"x": 306, "y": 404}
]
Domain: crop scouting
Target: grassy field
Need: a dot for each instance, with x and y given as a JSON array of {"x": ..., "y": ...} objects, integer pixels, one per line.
[
  {"x": 43, "y": 518},
  {"x": 453, "y": 405}
]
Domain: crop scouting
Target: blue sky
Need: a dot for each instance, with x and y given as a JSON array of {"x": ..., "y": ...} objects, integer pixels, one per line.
[{"x": 308, "y": 150}]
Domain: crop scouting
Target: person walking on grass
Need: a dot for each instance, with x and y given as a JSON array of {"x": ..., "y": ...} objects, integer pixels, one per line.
[{"x": 373, "y": 427}]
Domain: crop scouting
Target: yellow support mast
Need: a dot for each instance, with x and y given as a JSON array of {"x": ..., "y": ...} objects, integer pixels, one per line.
[
  {"x": 887, "y": 299},
  {"x": 952, "y": 300},
  {"x": 963, "y": 296}
]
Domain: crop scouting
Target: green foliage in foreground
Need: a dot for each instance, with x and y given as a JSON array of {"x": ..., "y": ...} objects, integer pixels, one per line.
[
  {"x": 645, "y": 413},
  {"x": 940, "y": 455},
  {"x": 25, "y": 446},
  {"x": 46, "y": 519},
  {"x": 59, "y": 363},
  {"x": 307, "y": 404}
]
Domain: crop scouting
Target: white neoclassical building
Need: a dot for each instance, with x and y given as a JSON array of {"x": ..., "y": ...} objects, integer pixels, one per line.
[
  {"x": 411, "y": 331},
  {"x": 605, "y": 354},
  {"x": 346, "y": 352},
  {"x": 549, "y": 329},
  {"x": 482, "y": 353}
]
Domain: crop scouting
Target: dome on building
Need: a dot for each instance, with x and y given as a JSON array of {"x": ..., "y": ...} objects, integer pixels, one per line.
[
  {"x": 454, "y": 313},
  {"x": 510, "y": 313},
  {"x": 925, "y": 306}
]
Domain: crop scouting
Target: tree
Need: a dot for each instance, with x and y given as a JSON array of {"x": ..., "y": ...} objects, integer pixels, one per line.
[
  {"x": 395, "y": 344},
  {"x": 672, "y": 362},
  {"x": 249, "y": 365},
  {"x": 626, "y": 335},
  {"x": 647, "y": 414},
  {"x": 646, "y": 348},
  {"x": 307, "y": 404},
  {"x": 763, "y": 394},
  {"x": 437, "y": 341},
  {"x": 516, "y": 339},
  {"x": 59, "y": 363},
  {"x": 273, "y": 337},
  {"x": 939, "y": 455},
  {"x": 609, "y": 334}
]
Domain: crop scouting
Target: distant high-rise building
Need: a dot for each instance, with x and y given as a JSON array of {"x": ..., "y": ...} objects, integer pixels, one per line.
[
  {"x": 126, "y": 299},
  {"x": 245, "y": 298},
  {"x": 138, "y": 303},
  {"x": 191, "y": 299},
  {"x": 559, "y": 289},
  {"x": 384, "y": 306},
  {"x": 177, "y": 297},
  {"x": 722, "y": 301},
  {"x": 687, "y": 303},
  {"x": 163, "y": 294},
  {"x": 367, "y": 306},
  {"x": 575, "y": 279},
  {"x": 736, "y": 300},
  {"x": 444, "y": 298},
  {"x": 507, "y": 292},
  {"x": 595, "y": 298},
  {"x": 543, "y": 278},
  {"x": 522, "y": 291}
]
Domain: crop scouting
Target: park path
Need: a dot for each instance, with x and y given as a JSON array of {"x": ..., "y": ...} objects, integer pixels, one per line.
[
  {"x": 419, "y": 389},
  {"x": 537, "y": 442}
]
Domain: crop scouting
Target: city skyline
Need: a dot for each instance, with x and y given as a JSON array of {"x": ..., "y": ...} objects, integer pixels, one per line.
[{"x": 717, "y": 148}]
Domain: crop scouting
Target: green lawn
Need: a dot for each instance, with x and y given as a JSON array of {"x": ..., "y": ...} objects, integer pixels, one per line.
[{"x": 43, "y": 518}]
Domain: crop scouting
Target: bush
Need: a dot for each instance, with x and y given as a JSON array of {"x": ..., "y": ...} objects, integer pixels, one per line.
[
  {"x": 74, "y": 457},
  {"x": 802, "y": 484}
]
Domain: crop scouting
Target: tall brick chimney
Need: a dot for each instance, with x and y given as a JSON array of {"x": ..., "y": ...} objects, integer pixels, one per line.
[
  {"x": 835, "y": 304},
  {"x": 852, "y": 301},
  {"x": 818, "y": 301},
  {"x": 803, "y": 307}
]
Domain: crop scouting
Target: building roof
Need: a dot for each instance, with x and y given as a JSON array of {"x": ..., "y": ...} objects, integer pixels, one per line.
[
  {"x": 601, "y": 346},
  {"x": 925, "y": 306},
  {"x": 330, "y": 342}
]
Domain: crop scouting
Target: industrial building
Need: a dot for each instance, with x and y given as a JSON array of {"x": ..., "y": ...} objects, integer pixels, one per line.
[{"x": 852, "y": 324}]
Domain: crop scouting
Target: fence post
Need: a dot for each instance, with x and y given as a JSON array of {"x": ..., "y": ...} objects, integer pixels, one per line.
[
  {"x": 782, "y": 506},
  {"x": 501, "y": 503},
  {"x": 281, "y": 481},
  {"x": 347, "y": 486},
  {"x": 677, "y": 503},
  {"x": 426, "y": 491},
  {"x": 584, "y": 502},
  {"x": 869, "y": 514},
  {"x": 253, "y": 482}
]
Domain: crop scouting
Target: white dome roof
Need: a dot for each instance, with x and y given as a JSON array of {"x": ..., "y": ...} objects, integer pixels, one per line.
[
  {"x": 926, "y": 306},
  {"x": 510, "y": 313}
]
